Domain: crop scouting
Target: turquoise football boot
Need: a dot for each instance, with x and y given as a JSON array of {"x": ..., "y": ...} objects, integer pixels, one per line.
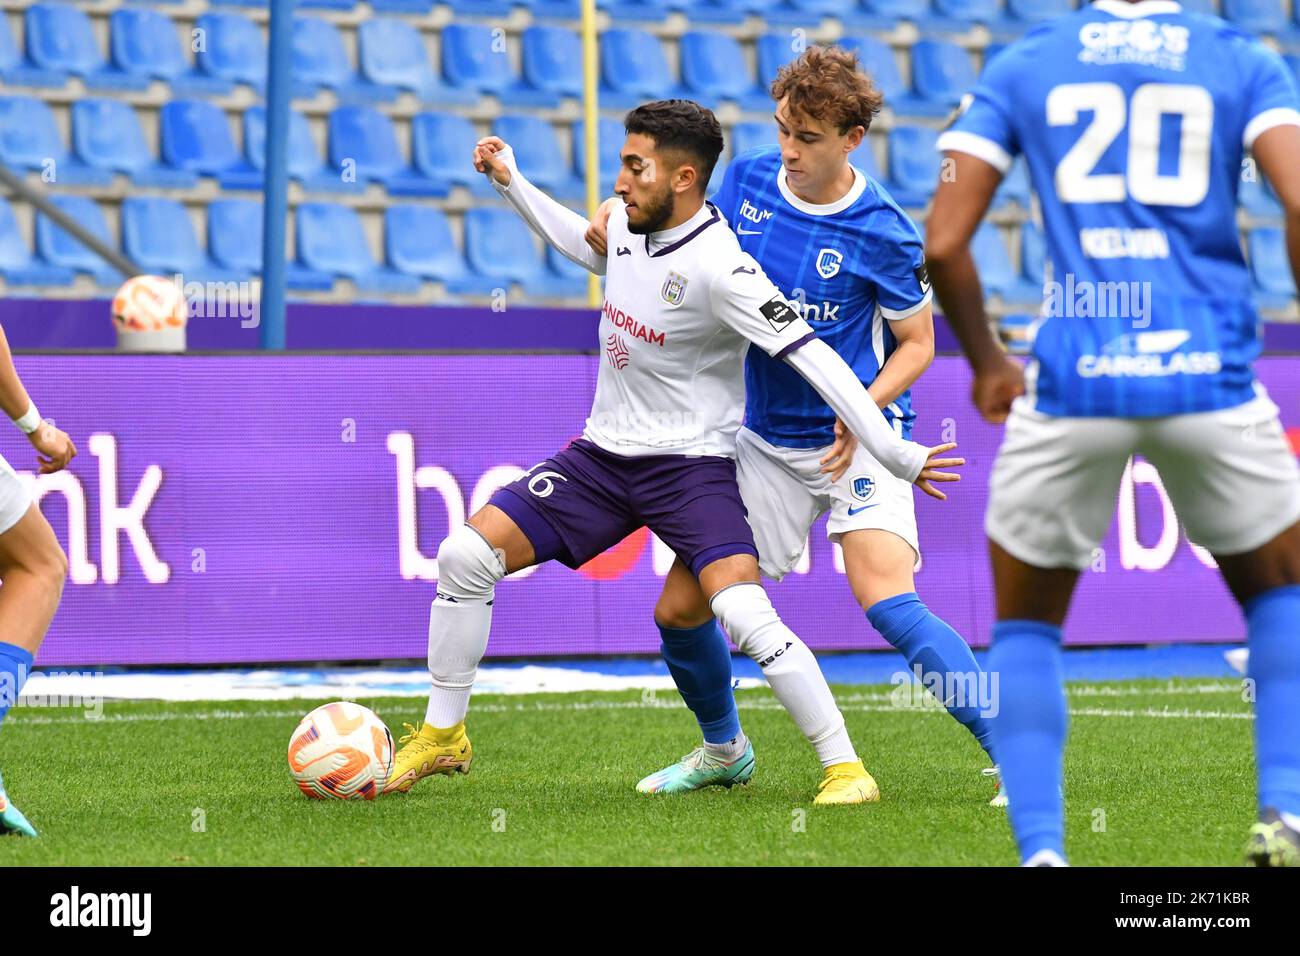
[
  {"x": 699, "y": 769},
  {"x": 12, "y": 821}
]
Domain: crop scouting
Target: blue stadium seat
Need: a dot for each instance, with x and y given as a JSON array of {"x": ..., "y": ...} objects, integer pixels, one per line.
[
  {"x": 538, "y": 154},
  {"x": 1255, "y": 196},
  {"x": 305, "y": 162},
  {"x": 864, "y": 157},
  {"x": 57, "y": 246},
  {"x": 564, "y": 278},
  {"x": 609, "y": 145},
  {"x": 1035, "y": 11},
  {"x": 636, "y": 10},
  {"x": 554, "y": 9},
  {"x": 157, "y": 235},
  {"x": 773, "y": 50},
  {"x": 328, "y": 4},
  {"x": 747, "y": 136},
  {"x": 15, "y": 71},
  {"x": 60, "y": 39},
  {"x": 474, "y": 57},
  {"x": 1033, "y": 253},
  {"x": 332, "y": 240},
  {"x": 441, "y": 147},
  {"x": 996, "y": 272},
  {"x": 235, "y": 244},
  {"x": 363, "y": 145},
  {"x": 107, "y": 135},
  {"x": 886, "y": 14},
  {"x": 877, "y": 59},
  {"x": 234, "y": 49},
  {"x": 987, "y": 12},
  {"x": 144, "y": 43},
  {"x": 941, "y": 71},
  {"x": 418, "y": 242},
  {"x": 482, "y": 8},
  {"x": 195, "y": 136},
  {"x": 1256, "y": 16},
  {"x": 420, "y": 7},
  {"x": 500, "y": 248},
  {"x": 392, "y": 53},
  {"x": 714, "y": 68},
  {"x": 1015, "y": 186},
  {"x": 320, "y": 59},
  {"x": 913, "y": 165},
  {"x": 807, "y": 12},
  {"x": 29, "y": 139},
  {"x": 552, "y": 60},
  {"x": 633, "y": 69},
  {"x": 17, "y": 264},
  {"x": 716, "y": 11},
  {"x": 1275, "y": 286}
]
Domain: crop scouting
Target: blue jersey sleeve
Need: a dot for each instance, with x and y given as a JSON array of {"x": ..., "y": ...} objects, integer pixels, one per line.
[
  {"x": 898, "y": 266},
  {"x": 1271, "y": 95},
  {"x": 984, "y": 128},
  {"x": 725, "y": 197}
]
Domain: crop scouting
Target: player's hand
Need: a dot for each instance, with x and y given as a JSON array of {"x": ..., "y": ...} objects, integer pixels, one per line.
[
  {"x": 486, "y": 160},
  {"x": 597, "y": 231},
  {"x": 837, "y": 460},
  {"x": 933, "y": 470},
  {"x": 54, "y": 449},
  {"x": 996, "y": 387}
]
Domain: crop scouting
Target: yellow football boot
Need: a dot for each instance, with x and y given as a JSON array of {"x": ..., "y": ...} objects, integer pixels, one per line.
[
  {"x": 847, "y": 783},
  {"x": 426, "y": 751}
]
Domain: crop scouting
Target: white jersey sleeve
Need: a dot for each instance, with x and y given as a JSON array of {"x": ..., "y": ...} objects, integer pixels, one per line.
[
  {"x": 745, "y": 300},
  {"x": 556, "y": 223}
]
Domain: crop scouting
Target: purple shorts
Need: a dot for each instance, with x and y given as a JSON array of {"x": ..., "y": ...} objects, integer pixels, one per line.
[{"x": 585, "y": 500}]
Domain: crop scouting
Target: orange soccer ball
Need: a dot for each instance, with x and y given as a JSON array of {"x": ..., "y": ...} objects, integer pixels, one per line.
[
  {"x": 341, "y": 751},
  {"x": 149, "y": 304}
]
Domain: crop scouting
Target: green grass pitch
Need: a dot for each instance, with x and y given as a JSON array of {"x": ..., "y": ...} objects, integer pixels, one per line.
[{"x": 1156, "y": 773}]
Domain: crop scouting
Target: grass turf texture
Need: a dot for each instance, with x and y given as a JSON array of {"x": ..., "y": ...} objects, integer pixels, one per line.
[{"x": 1149, "y": 782}]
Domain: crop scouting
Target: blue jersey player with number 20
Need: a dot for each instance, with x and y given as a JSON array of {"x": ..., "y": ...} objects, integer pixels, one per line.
[
  {"x": 1134, "y": 119},
  {"x": 845, "y": 254}
]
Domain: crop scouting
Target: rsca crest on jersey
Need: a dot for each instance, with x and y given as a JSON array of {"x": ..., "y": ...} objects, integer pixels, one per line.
[
  {"x": 828, "y": 262},
  {"x": 864, "y": 486},
  {"x": 674, "y": 290}
]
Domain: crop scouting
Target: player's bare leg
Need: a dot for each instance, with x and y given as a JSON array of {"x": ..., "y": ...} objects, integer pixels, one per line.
[
  {"x": 471, "y": 560},
  {"x": 740, "y": 603},
  {"x": 880, "y": 567},
  {"x": 33, "y": 569},
  {"x": 1266, "y": 582}
]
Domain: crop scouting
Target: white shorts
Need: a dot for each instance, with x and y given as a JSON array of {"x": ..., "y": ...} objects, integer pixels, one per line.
[
  {"x": 14, "y": 497},
  {"x": 785, "y": 492},
  {"x": 1231, "y": 475}
]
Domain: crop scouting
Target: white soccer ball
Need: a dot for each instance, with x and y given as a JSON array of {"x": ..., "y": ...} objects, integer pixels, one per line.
[
  {"x": 149, "y": 304},
  {"x": 341, "y": 751}
]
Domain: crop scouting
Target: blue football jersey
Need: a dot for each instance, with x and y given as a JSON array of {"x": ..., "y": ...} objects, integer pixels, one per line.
[
  {"x": 849, "y": 267},
  {"x": 1134, "y": 120}
]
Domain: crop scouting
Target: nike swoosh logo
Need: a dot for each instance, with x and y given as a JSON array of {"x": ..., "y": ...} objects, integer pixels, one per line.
[
  {"x": 740, "y": 231},
  {"x": 623, "y": 251},
  {"x": 853, "y": 511},
  {"x": 743, "y": 269}
]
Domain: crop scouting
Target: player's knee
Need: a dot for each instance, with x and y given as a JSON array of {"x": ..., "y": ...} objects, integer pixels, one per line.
[
  {"x": 747, "y": 613},
  {"x": 680, "y": 612},
  {"x": 468, "y": 567}
]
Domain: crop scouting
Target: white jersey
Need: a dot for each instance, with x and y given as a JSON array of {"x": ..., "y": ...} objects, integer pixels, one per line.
[{"x": 681, "y": 308}]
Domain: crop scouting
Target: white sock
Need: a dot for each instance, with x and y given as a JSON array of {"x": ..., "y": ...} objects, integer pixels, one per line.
[
  {"x": 1291, "y": 820},
  {"x": 729, "y": 750},
  {"x": 789, "y": 666},
  {"x": 1045, "y": 858},
  {"x": 459, "y": 622}
]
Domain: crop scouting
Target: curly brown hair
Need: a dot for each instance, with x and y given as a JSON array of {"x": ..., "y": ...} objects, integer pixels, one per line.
[{"x": 827, "y": 83}]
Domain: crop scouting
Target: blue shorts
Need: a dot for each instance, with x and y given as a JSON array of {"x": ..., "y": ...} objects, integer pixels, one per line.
[{"x": 584, "y": 500}]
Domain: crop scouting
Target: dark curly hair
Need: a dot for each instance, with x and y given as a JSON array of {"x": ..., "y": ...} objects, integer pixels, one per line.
[{"x": 680, "y": 126}]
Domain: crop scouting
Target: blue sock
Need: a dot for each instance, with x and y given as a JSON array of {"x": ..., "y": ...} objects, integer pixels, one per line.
[
  {"x": 1029, "y": 730},
  {"x": 15, "y": 665},
  {"x": 929, "y": 643},
  {"x": 1273, "y": 627},
  {"x": 700, "y": 662}
]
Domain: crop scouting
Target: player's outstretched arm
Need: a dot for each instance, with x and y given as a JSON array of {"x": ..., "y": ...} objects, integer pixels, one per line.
[
  {"x": 1275, "y": 152},
  {"x": 54, "y": 448},
  {"x": 959, "y": 204},
  {"x": 553, "y": 221}
]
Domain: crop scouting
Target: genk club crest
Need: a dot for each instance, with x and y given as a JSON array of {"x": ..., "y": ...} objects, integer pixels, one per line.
[
  {"x": 828, "y": 262},
  {"x": 674, "y": 290},
  {"x": 864, "y": 486}
]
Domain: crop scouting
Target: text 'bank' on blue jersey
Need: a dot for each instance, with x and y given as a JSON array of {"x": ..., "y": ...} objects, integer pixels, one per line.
[
  {"x": 1134, "y": 120},
  {"x": 850, "y": 267}
]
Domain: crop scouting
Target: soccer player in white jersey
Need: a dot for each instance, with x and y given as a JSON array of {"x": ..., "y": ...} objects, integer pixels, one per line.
[
  {"x": 682, "y": 301},
  {"x": 839, "y": 247},
  {"x": 33, "y": 566},
  {"x": 1134, "y": 119}
]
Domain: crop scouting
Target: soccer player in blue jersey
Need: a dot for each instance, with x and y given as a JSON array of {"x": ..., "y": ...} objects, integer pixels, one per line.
[
  {"x": 33, "y": 566},
  {"x": 1134, "y": 118},
  {"x": 841, "y": 249}
]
